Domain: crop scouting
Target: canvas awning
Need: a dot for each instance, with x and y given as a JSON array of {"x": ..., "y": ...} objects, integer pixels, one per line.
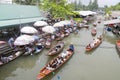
[
  {"x": 86, "y": 13},
  {"x": 114, "y": 21}
]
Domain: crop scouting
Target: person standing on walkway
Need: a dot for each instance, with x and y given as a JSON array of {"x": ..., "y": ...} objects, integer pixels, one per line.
[{"x": 11, "y": 42}]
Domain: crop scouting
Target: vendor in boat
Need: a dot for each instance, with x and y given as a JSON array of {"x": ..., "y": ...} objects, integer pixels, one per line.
[{"x": 71, "y": 47}]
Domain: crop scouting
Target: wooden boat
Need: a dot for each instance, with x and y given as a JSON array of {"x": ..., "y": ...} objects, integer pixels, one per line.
[
  {"x": 93, "y": 32},
  {"x": 56, "y": 49},
  {"x": 55, "y": 63},
  {"x": 118, "y": 45},
  {"x": 94, "y": 44},
  {"x": 59, "y": 38},
  {"x": 4, "y": 59},
  {"x": 85, "y": 26},
  {"x": 39, "y": 48}
]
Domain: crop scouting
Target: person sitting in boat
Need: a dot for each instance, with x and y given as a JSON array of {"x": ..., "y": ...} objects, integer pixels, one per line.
[
  {"x": 64, "y": 54},
  {"x": 28, "y": 49},
  {"x": 99, "y": 37},
  {"x": 38, "y": 48},
  {"x": 71, "y": 47},
  {"x": 49, "y": 67},
  {"x": 53, "y": 63},
  {"x": 92, "y": 45},
  {"x": 62, "y": 34},
  {"x": 88, "y": 46},
  {"x": 59, "y": 61},
  {"x": 58, "y": 46},
  {"x": 5, "y": 59}
]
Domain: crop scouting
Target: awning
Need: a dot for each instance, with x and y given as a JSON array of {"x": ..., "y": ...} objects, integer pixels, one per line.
[
  {"x": 19, "y": 21},
  {"x": 114, "y": 21},
  {"x": 86, "y": 13}
]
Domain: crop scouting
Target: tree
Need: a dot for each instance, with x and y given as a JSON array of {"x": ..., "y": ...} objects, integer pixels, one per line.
[
  {"x": 58, "y": 8},
  {"x": 75, "y": 5},
  {"x": 95, "y": 5},
  {"x": 90, "y": 5},
  {"x": 115, "y": 7},
  {"x": 80, "y": 5}
]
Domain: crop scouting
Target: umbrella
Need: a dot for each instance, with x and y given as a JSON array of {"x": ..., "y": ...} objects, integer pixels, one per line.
[
  {"x": 29, "y": 30},
  {"x": 65, "y": 22},
  {"x": 58, "y": 24},
  {"x": 40, "y": 23},
  {"x": 24, "y": 40},
  {"x": 48, "y": 29}
]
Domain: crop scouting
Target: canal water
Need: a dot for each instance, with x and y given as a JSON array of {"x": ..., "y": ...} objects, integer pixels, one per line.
[{"x": 103, "y": 63}]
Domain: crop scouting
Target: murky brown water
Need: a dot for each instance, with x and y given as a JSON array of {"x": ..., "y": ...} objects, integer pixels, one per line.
[{"x": 101, "y": 64}]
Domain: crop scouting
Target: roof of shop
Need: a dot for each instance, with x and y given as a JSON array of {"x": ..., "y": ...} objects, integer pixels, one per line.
[{"x": 16, "y": 14}]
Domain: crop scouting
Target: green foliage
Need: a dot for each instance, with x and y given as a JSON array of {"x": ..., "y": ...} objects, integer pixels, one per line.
[
  {"x": 107, "y": 10},
  {"x": 91, "y": 6},
  {"x": 78, "y": 19},
  {"x": 116, "y": 7},
  {"x": 58, "y": 8}
]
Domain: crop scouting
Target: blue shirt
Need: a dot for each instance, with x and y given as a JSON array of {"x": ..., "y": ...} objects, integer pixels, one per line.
[{"x": 71, "y": 47}]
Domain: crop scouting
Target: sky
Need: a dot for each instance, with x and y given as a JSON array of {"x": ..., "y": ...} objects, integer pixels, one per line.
[{"x": 101, "y": 3}]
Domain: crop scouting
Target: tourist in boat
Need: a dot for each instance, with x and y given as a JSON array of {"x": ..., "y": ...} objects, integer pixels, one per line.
[
  {"x": 96, "y": 41},
  {"x": 92, "y": 44},
  {"x": 28, "y": 49}
]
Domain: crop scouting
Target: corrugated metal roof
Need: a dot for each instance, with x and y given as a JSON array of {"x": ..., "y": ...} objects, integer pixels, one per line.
[
  {"x": 19, "y": 21},
  {"x": 8, "y": 11},
  {"x": 16, "y": 14}
]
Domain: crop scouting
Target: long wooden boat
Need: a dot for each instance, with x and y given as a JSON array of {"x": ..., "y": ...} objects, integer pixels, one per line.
[
  {"x": 94, "y": 44},
  {"x": 55, "y": 63},
  {"x": 6, "y": 59},
  {"x": 118, "y": 45},
  {"x": 56, "y": 49},
  {"x": 93, "y": 32}
]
